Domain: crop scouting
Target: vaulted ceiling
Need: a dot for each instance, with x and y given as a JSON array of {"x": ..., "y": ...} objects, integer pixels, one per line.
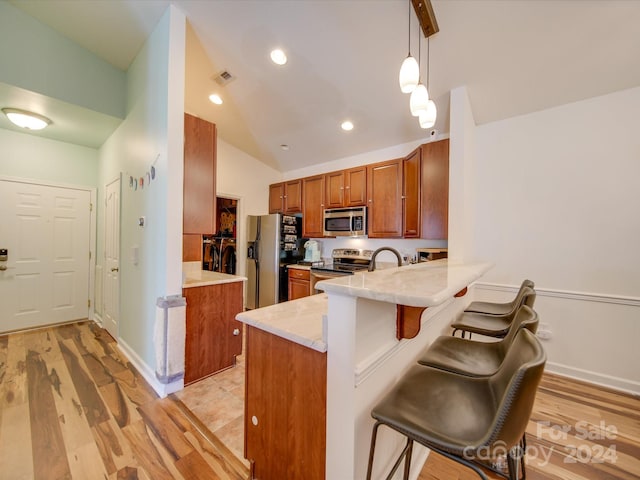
[{"x": 514, "y": 56}]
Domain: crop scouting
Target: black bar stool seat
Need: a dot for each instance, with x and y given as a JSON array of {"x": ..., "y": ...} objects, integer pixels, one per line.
[
  {"x": 491, "y": 308},
  {"x": 491, "y": 325},
  {"x": 464, "y": 417},
  {"x": 468, "y": 357}
]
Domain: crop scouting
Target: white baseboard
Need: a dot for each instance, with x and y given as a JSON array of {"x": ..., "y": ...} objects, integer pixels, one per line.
[
  {"x": 148, "y": 373},
  {"x": 98, "y": 319},
  {"x": 616, "y": 383}
]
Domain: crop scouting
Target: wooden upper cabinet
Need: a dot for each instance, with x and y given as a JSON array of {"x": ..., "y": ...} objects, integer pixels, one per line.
[
  {"x": 384, "y": 186},
  {"x": 293, "y": 196},
  {"x": 346, "y": 188},
  {"x": 276, "y": 198},
  {"x": 435, "y": 190},
  {"x": 355, "y": 186},
  {"x": 199, "y": 176},
  {"x": 334, "y": 185},
  {"x": 411, "y": 194},
  {"x": 312, "y": 206},
  {"x": 285, "y": 197}
]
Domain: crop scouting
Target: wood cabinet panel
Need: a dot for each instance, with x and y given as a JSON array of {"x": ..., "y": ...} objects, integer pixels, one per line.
[
  {"x": 210, "y": 343},
  {"x": 192, "y": 248},
  {"x": 285, "y": 390},
  {"x": 384, "y": 188},
  {"x": 355, "y": 186},
  {"x": 285, "y": 197},
  {"x": 293, "y": 196},
  {"x": 435, "y": 190},
  {"x": 411, "y": 194},
  {"x": 276, "y": 198},
  {"x": 299, "y": 281},
  {"x": 334, "y": 185},
  {"x": 312, "y": 206},
  {"x": 199, "y": 176}
]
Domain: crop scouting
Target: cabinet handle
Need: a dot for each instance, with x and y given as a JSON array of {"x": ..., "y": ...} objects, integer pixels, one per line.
[
  {"x": 236, "y": 332},
  {"x": 347, "y": 187},
  {"x": 403, "y": 197}
]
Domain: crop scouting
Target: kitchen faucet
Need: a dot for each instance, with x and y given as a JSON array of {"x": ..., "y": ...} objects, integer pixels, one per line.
[{"x": 372, "y": 262}]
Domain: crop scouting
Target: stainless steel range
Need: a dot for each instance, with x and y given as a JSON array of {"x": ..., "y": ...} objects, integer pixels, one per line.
[{"x": 345, "y": 261}]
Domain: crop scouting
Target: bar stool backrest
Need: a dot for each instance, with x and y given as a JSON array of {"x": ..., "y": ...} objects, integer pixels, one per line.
[
  {"x": 526, "y": 317},
  {"x": 514, "y": 387},
  {"x": 521, "y": 297}
]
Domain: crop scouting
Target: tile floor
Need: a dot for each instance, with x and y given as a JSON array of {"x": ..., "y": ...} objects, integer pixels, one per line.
[{"x": 218, "y": 402}]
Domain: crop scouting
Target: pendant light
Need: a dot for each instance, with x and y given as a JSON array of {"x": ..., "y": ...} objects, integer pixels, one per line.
[
  {"x": 410, "y": 70},
  {"x": 428, "y": 118},
  {"x": 419, "y": 100}
]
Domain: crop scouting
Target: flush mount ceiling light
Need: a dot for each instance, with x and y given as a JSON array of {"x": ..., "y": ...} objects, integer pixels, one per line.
[
  {"x": 278, "y": 57},
  {"x": 347, "y": 125},
  {"x": 215, "y": 98},
  {"x": 25, "y": 119}
]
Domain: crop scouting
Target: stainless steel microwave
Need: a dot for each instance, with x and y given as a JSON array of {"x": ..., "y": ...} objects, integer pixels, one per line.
[{"x": 345, "y": 222}]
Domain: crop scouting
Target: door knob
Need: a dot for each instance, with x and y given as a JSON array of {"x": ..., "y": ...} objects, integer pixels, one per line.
[
  {"x": 116, "y": 269},
  {"x": 3, "y": 268}
]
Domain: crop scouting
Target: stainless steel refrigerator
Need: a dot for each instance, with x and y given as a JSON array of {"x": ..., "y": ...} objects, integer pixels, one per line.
[{"x": 273, "y": 242}]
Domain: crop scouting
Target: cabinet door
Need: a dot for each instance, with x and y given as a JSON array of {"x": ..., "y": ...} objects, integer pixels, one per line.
[
  {"x": 298, "y": 283},
  {"x": 385, "y": 199},
  {"x": 355, "y": 187},
  {"x": 312, "y": 206},
  {"x": 210, "y": 343},
  {"x": 293, "y": 196},
  {"x": 435, "y": 190},
  {"x": 199, "y": 176},
  {"x": 276, "y": 198},
  {"x": 285, "y": 408},
  {"x": 411, "y": 194},
  {"x": 334, "y": 185}
]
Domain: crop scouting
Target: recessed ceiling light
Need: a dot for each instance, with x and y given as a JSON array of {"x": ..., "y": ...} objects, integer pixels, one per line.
[
  {"x": 24, "y": 119},
  {"x": 215, "y": 98},
  {"x": 278, "y": 57},
  {"x": 347, "y": 125},
  {"x": 284, "y": 146}
]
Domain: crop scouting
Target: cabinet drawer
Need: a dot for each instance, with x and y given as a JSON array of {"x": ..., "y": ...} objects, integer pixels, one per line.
[{"x": 297, "y": 273}]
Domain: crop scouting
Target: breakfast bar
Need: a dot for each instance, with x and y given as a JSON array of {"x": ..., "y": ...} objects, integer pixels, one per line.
[{"x": 353, "y": 342}]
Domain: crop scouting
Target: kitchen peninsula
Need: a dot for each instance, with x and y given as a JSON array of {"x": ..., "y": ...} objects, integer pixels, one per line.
[{"x": 317, "y": 365}]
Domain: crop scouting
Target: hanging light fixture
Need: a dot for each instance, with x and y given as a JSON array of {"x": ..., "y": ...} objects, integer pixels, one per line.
[
  {"x": 410, "y": 70},
  {"x": 427, "y": 119},
  {"x": 420, "y": 96},
  {"x": 25, "y": 119}
]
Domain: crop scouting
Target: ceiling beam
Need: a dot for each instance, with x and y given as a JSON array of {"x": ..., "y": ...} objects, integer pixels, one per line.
[{"x": 426, "y": 17}]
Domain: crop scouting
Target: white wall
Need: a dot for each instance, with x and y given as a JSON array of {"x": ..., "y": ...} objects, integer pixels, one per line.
[
  {"x": 151, "y": 135},
  {"x": 243, "y": 177},
  {"x": 28, "y": 156},
  {"x": 556, "y": 198}
]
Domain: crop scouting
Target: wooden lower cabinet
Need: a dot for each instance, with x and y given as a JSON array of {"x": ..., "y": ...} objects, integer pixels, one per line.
[
  {"x": 299, "y": 281},
  {"x": 211, "y": 344},
  {"x": 285, "y": 408}
]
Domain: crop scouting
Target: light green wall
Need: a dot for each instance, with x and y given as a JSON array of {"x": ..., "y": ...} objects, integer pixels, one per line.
[
  {"x": 35, "y": 57},
  {"x": 150, "y": 135},
  {"x": 28, "y": 156}
]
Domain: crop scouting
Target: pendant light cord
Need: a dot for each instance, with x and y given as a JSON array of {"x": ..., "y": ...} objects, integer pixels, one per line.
[
  {"x": 419, "y": 57},
  {"x": 428, "y": 66},
  {"x": 409, "y": 30}
]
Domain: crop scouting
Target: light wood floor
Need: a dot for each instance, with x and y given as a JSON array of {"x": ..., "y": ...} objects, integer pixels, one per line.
[{"x": 72, "y": 407}]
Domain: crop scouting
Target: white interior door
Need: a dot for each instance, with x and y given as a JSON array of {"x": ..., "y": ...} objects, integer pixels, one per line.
[
  {"x": 46, "y": 231},
  {"x": 111, "y": 293}
]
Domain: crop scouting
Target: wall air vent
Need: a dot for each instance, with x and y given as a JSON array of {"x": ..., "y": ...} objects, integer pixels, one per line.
[{"x": 224, "y": 77}]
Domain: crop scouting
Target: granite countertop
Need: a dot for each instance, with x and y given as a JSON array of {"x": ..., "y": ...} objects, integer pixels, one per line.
[
  {"x": 419, "y": 285},
  {"x": 202, "y": 278},
  {"x": 297, "y": 266},
  {"x": 300, "y": 321}
]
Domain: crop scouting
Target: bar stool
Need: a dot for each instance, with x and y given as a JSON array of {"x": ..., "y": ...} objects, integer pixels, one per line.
[
  {"x": 490, "y": 308},
  {"x": 476, "y": 359},
  {"x": 469, "y": 420},
  {"x": 491, "y": 325}
]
